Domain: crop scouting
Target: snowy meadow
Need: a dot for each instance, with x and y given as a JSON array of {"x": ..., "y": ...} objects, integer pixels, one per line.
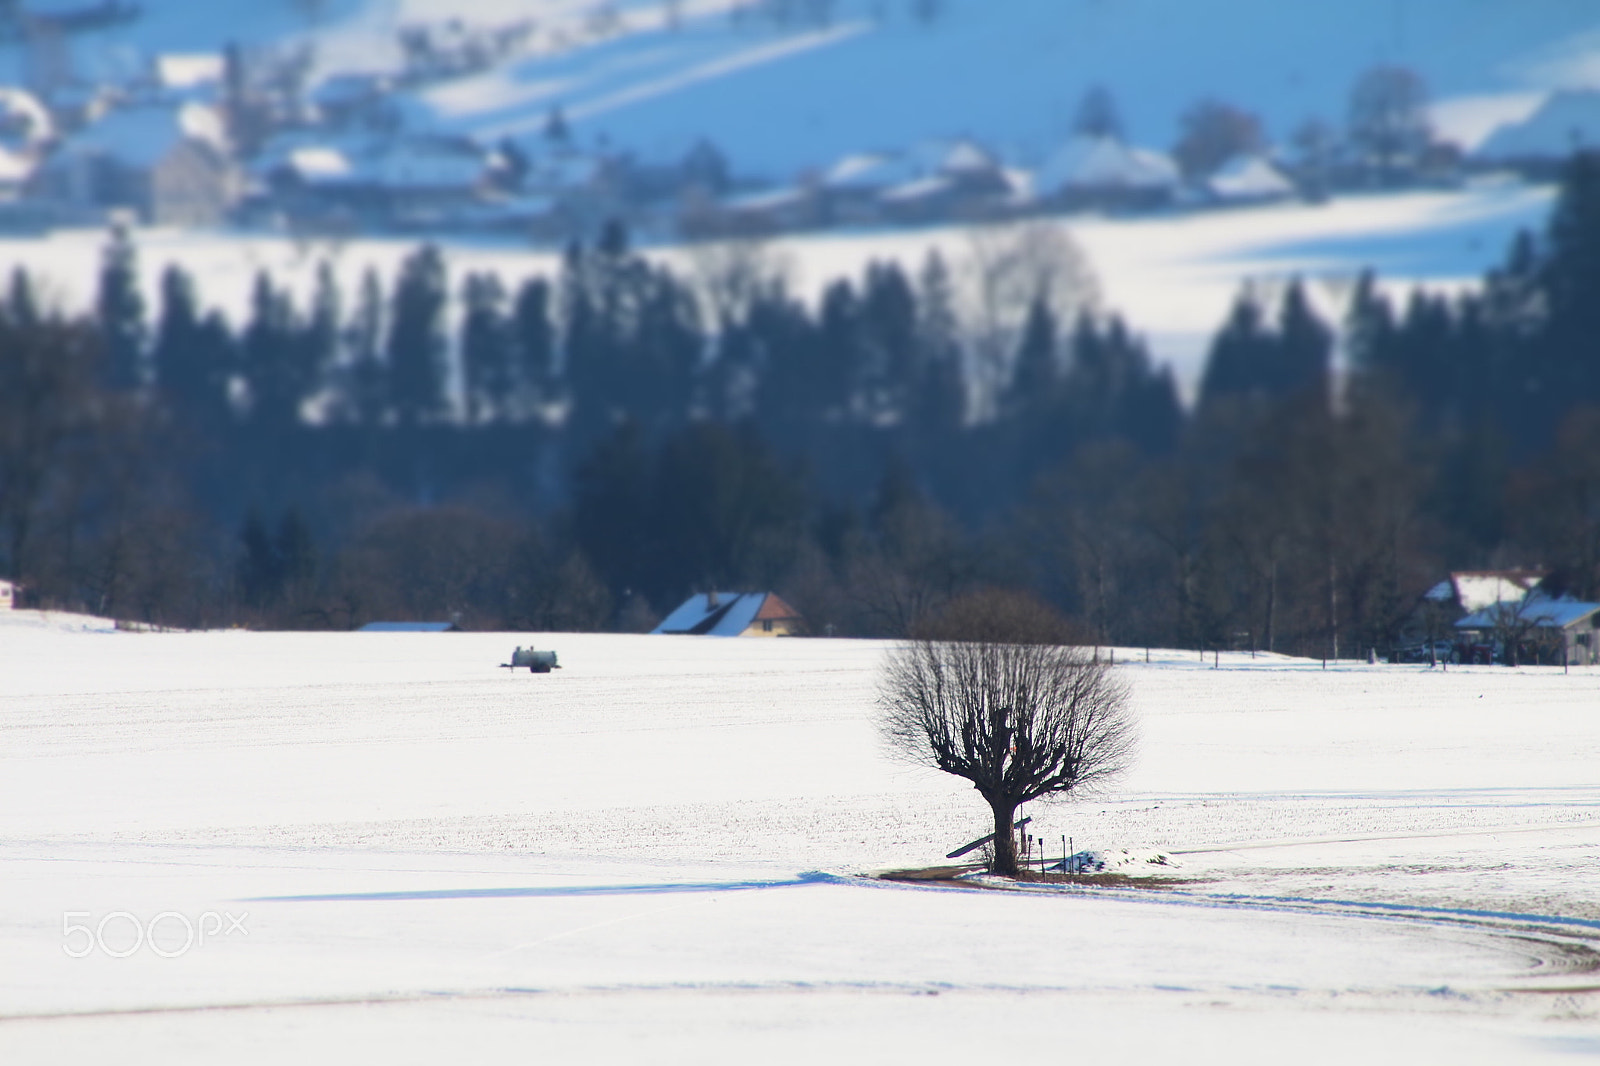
[{"x": 243, "y": 847}]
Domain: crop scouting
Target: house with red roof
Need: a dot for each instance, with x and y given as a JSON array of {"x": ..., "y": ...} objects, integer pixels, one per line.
[{"x": 733, "y": 614}]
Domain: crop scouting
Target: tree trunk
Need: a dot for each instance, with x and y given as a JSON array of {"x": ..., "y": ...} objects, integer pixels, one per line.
[
  {"x": 1333, "y": 604},
  {"x": 1272, "y": 605},
  {"x": 1005, "y": 841}
]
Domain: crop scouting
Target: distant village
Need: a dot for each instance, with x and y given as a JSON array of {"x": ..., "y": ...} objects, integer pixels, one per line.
[{"x": 259, "y": 139}]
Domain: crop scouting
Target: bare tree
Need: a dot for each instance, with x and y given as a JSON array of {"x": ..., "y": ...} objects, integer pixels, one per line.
[
  {"x": 1389, "y": 123},
  {"x": 1006, "y": 271},
  {"x": 1213, "y": 133},
  {"x": 730, "y": 275},
  {"x": 1019, "y": 720}
]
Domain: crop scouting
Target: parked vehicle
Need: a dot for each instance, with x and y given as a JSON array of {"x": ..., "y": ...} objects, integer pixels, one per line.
[
  {"x": 538, "y": 662},
  {"x": 1418, "y": 653}
]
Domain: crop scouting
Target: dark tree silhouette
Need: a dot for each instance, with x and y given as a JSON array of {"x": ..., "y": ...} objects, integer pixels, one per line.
[
  {"x": 1213, "y": 133},
  {"x": 120, "y": 307},
  {"x": 417, "y": 344},
  {"x": 1097, "y": 114}
]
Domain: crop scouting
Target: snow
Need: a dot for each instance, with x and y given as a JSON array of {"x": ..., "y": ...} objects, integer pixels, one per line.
[
  {"x": 1477, "y": 591},
  {"x": 866, "y": 171},
  {"x": 191, "y": 71},
  {"x": 920, "y": 189},
  {"x": 780, "y": 100},
  {"x": 656, "y": 850},
  {"x": 1088, "y": 162},
  {"x": 1565, "y": 121},
  {"x": 738, "y": 613},
  {"x": 1467, "y": 121},
  {"x": 24, "y": 121},
  {"x": 1536, "y": 610},
  {"x": 1249, "y": 178}
]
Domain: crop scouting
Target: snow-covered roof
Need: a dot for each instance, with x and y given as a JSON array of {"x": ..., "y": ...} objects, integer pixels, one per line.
[
  {"x": 867, "y": 171},
  {"x": 142, "y": 135},
  {"x": 1090, "y": 162},
  {"x": 16, "y": 166},
  {"x": 188, "y": 71},
  {"x": 1249, "y": 178},
  {"x": 964, "y": 157},
  {"x": 1475, "y": 590},
  {"x": 321, "y": 165},
  {"x": 1537, "y": 610},
  {"x": 424, "y": 161},
  {"x": 920, "y": 189},
  {"x": 769, "y": 200},
  {"x": 1566, "y": 121},
  {"x": 723, "y": 614},
  {"x": 23, "y": 119}
]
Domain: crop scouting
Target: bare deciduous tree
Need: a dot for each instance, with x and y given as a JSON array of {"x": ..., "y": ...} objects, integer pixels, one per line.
[
  {"x": 1006, "y": 271},
  {"x": 730, "y": 275},
  {"x": 1018, "y": 720}
]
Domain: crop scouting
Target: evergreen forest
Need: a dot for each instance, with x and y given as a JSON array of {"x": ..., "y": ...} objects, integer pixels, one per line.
[{"x": 582, "y": 451}]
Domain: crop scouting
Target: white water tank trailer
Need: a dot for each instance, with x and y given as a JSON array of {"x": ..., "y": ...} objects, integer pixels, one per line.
[{"x": 538, "y": 662}]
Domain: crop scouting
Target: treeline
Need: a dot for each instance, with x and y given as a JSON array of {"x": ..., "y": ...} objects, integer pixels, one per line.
[{"x": 582, "y": 451}]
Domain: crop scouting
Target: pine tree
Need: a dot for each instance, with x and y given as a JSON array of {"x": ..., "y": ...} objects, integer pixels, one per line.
[
  {"x": 366, "y": 392},
  {"x": 1370, "y": 329},
  {"x": 190, "y": 371},
  {"x": 277, "y": 367},
  {"x": 889, "y": 336},
  {"x": 588, "y": 341},
  {"x": 1570, "y": 278},
  {"x": 323, "y": 331},
  {"x": 534, "y": 338},
  {"x": 786, "y": 344},
  {"x": 1037, "y": 377},
  {"x": 120, "y": 307},
  {"x": 416, "y": 338},
  {"x": 485, "y": 348},
  {"x": 664, "y": 353},
  {"x": 1097, "y": 114},
  {"x": 940, "y": 401},
  {"x": 1141, "y": 404},
  {"x": 21, "y": 304},
  {"x": 837, "y": 360},
  {"x": 1241, "y": 356},
  {"x": 1305, "y": 355}
]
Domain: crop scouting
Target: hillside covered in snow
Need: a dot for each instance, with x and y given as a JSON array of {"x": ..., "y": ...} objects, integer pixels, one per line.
[{"x": 782, "y": 86}]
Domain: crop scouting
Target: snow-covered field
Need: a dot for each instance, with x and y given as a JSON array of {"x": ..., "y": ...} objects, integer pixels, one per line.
[
  {"x": 393, "y": 851},
  {"x": 781, "y": 95}
]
